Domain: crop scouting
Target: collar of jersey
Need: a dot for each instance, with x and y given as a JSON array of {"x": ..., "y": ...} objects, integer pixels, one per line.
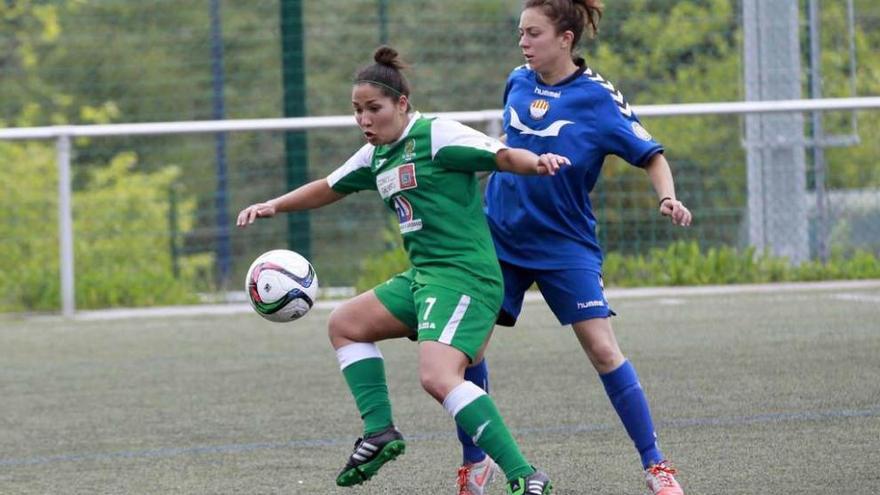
[
  {"x": 413, "y": 117},
  {"x": 576, "y": 74}
]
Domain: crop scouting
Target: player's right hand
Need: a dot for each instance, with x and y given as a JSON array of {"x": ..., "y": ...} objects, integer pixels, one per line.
[
  {"x": 254, "y": 211},
  {"x": 549, "y": 163}
]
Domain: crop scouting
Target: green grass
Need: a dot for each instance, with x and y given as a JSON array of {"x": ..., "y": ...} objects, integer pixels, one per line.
[{"x": 765, "y": 394}]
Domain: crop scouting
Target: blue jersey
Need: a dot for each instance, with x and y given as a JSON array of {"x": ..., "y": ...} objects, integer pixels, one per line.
[{"x": 548, "y": 222}]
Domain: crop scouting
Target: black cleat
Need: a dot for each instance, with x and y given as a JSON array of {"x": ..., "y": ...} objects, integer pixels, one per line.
[
  {"x": 370, "y": 454},
  {"x": 536, "y": 483}
]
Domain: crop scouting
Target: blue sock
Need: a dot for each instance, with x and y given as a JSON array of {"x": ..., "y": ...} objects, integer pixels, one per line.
[
  {"x": 626, "y": 394},
  {"x": 479, "y": 375}
]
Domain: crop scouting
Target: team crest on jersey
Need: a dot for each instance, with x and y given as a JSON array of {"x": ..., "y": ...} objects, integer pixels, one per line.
[
  {"x": 538, "y": 109},
  {"x": 405, "y": 215},
  {"x": 641, "y": 132},
  {"x": 409, "y": 150}
]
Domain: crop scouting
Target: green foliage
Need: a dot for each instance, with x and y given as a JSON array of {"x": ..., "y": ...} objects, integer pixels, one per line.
[
  {"x": 381, "y": 266},
  {"x": 681, "y": 263},
  {"x": 73, "y": 61},
  {"x": 684, "y": 263},
  {"x": 120, "y": 259}
]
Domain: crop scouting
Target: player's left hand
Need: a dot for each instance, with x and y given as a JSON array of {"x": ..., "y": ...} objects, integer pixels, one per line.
[
  {"x": 677, "y": 211},
  {"x": 549, "y": 163}
]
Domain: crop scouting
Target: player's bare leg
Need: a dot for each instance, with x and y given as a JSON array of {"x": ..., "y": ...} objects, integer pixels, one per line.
[{"x": 625, "y": 392}]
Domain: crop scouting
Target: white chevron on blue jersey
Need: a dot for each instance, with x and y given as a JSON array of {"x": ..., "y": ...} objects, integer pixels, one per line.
[
  {"x": 552, "y": 130},
  {"x": 622, "y": 104}
]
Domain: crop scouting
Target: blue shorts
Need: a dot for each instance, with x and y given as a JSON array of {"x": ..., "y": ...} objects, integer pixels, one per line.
[{"x": 573, "y": 295}]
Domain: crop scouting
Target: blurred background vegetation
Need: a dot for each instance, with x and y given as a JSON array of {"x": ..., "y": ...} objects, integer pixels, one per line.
[{"x": 144, "y": 206}]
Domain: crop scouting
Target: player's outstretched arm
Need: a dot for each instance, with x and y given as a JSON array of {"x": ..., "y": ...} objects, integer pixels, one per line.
[
  {"x": 661, "y": 177},
  {"x": 521, "y": 161},
  {"x": 313, "y": 195}
]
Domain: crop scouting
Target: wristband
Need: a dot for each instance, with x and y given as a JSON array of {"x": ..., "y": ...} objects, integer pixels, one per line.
[{"x": 664, "y": 199}]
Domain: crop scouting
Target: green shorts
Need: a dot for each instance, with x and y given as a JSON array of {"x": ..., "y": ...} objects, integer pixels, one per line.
[{"x": 438, "y": 314}]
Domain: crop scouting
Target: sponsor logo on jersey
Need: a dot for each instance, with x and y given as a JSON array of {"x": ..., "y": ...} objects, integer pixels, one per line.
[
  {"x": 547, "y": 92},
  {"x": 538, "y": 109},
  {"x": 405, "y": 215},
  {"x": 406, "y": 174},
  {"x": 552, "y": 130},
  {"x": 401, "y": 178},
  {"x": 409, "y": 150},
  {"x": 641, "y": 132}
]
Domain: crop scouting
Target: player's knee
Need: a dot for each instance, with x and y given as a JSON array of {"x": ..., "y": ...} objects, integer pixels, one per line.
[
  {"x": 340, "y": 325},
  {"x": 605, "y": 356},
  {"x": 434, "y": 381}
]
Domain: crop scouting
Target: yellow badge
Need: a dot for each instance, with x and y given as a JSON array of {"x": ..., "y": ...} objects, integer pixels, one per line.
[
  {"x": 409, "y": 150},
  {"x": 538, "y": 109}
]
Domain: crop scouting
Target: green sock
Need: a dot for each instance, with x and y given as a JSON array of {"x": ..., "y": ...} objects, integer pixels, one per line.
[
  {"x": 366, "y": 380},
  {"x": 481, "y": 420}
]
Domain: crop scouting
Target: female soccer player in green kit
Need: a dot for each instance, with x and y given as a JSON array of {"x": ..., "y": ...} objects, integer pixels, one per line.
[{"x": 425, "y": 171}]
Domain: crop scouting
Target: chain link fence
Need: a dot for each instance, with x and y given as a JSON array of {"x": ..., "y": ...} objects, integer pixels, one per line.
[{"x": 171, "y": 199}]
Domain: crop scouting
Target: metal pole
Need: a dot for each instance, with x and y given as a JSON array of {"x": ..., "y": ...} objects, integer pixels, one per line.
[
  {"x": 775, "y": 144},
  {"x": 818, "y": 134},
  {"x": 851, "y": 21},
  {"x": 295, "y": 143},
  {"x": 65, "y": 227},
  {"x": 383, "y": 22},
  {"x": 224, "y": 252},
  {"x": 173, "y": 229}
]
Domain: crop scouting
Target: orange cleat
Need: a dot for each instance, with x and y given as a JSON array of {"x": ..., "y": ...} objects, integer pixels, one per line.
[
  {"x": 473, "y": 478},
  {"x": 661, "y": 481}
]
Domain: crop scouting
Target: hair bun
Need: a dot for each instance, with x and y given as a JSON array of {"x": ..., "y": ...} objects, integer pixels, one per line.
[{"x": 385, "y": 55}]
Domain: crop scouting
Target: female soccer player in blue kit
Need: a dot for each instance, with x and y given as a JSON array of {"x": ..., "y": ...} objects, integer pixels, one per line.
[{"x": 545, "y": 230}]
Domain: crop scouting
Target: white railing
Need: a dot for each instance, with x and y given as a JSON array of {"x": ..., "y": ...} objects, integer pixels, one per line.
[{"x": 63, "y": 134}]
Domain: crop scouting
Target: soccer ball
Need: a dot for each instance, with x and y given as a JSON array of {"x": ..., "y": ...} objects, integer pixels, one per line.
[{"x": 281, "y": 285}]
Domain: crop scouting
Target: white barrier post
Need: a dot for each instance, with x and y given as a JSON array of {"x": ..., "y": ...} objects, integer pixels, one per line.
[{"x": 65, "y": 226}]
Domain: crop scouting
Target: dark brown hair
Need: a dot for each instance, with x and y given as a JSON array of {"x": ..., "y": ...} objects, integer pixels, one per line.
[
  {"x": 386, "y": 73},
  {"x": 571, "y": 15}
]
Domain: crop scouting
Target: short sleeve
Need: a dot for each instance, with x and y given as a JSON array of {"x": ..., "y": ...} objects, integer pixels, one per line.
[
  {"x": 624, "y": 134},
  {"x": 355, "y": 174},
  {"x": 458, "y": 147}
]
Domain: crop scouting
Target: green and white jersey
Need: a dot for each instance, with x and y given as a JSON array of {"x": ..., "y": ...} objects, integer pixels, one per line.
[{"x": 427, "y": 178}]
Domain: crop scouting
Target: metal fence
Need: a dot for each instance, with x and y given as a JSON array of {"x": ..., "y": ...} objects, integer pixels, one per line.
[
  {"x": 173, "y": 194},
  {"x": 341, "y": 243}
]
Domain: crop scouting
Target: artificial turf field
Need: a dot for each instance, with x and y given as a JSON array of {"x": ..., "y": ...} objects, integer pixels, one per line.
[{"x": 776, "y": 392}]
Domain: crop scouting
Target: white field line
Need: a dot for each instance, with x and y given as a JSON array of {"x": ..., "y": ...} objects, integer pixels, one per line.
[
  {"x": 531, "y": 297},
  {"x": 867, "y": 298}
]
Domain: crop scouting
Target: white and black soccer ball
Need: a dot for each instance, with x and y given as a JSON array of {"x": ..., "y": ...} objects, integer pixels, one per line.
[{"x": 281, "y": 285}]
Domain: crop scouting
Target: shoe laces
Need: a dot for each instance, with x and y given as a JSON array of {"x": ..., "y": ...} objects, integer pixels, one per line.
[
  {"x": 463, "y": 473},
  {"x": 663, "y": 472}
]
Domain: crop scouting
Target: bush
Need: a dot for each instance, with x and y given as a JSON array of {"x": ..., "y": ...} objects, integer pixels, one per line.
[
  {"x": 681, "y": 263},
  {"x": 122, "y": 240},
  {"x": 380, "y": 267}
]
